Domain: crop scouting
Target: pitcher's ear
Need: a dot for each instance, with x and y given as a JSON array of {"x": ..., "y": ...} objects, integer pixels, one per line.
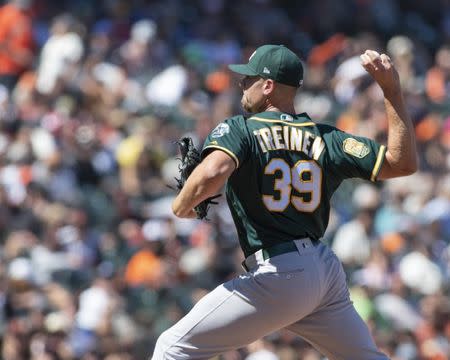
[{"x": 268, "y": 86}]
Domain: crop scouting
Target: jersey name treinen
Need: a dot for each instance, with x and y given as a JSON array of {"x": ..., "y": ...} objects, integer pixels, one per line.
[{"x": 289, "y": 138}]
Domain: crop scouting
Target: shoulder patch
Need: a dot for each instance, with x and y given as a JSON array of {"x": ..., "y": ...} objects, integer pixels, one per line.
[
  {"x": 286, "y": 117},
  {"x": 355, "y": 148},
  {"x": 220, "y": 130}
]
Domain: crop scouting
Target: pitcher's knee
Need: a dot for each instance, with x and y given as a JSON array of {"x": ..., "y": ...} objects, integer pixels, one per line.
[{"x": 163, "y": 347}]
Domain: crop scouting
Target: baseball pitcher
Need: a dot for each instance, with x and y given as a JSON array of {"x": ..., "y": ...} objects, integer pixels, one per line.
[{"x": 281, "y": 169}]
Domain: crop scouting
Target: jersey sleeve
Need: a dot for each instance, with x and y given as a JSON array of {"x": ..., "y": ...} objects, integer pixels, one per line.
[
  {"x": 353, "y": 156},
  {"x": 230, "y": 137}
]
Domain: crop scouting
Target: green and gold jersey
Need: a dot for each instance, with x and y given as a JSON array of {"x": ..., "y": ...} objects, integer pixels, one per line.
[{"x": 287, "y": 170}]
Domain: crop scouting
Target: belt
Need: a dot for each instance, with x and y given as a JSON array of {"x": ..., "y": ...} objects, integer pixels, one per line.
[{"x": 278, "y": 249}]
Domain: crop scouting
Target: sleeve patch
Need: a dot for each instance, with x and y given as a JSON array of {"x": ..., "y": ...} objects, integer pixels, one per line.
[
  {"x": 220, "y": 130},
  {"x": 355, "y": 148}
]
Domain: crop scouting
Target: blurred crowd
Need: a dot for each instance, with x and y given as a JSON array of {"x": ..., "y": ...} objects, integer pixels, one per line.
[{"x": 93, "y": 94}]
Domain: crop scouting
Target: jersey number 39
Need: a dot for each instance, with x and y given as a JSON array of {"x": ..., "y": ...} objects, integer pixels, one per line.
[{"x": 305, "y": 177}]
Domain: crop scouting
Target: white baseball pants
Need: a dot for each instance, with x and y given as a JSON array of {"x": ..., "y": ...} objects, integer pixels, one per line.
[{"x": 303, "y": 291}]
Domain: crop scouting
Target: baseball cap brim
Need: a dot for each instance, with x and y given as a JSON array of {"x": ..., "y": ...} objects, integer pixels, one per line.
[{"x": 242, "y": 69}]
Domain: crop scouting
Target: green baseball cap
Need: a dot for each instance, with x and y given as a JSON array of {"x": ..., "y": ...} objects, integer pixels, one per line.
[{"x": 274, "y": 62}]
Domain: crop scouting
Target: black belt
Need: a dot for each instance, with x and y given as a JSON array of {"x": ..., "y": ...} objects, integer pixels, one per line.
[{"x": 279, "y": 249}]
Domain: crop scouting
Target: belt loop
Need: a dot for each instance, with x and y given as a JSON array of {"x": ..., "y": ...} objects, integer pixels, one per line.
[
  {"x": 259, "y": 257},
  {"x": 304, "y": 245},
  {"x": 253, "y": 261}
]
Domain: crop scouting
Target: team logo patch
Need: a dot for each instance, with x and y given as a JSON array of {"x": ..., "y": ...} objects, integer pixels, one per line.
[
  {"x": 220, "y": 130},
  {"x": 286, "y": 117},
  {"x": 355, "y": 148}
]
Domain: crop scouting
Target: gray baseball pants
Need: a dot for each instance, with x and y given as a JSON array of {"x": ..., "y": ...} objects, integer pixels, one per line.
[{"x": 304, "y": 292}]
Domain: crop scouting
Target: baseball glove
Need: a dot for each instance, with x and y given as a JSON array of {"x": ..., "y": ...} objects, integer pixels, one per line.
[{"x": 190, "y": 158}]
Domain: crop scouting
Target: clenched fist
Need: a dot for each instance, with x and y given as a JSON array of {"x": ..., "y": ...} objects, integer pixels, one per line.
[{"x": 382, "y": 70}]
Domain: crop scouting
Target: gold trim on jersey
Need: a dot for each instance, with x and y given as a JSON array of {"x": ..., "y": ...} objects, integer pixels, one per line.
[
  {"x": 229, "y": 152},
  {"x": 281, "y": 121},
  {"x": 376, "y": 168}
]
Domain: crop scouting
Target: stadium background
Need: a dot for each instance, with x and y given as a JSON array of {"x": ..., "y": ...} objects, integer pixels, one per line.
[{"x": 92, "y": 263}]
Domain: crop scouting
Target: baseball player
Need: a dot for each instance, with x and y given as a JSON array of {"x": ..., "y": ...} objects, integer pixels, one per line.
[{"x": 281, "y": 169}]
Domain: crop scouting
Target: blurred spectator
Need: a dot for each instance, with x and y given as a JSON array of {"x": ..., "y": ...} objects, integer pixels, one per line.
[
  {"x": 16, "y": 41},
  {"x": 438, "y": 76},
  {"x": 352, "y": 242},
  {"x": 60, "y": 55},
  {"x": 93, "y": 316}
]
